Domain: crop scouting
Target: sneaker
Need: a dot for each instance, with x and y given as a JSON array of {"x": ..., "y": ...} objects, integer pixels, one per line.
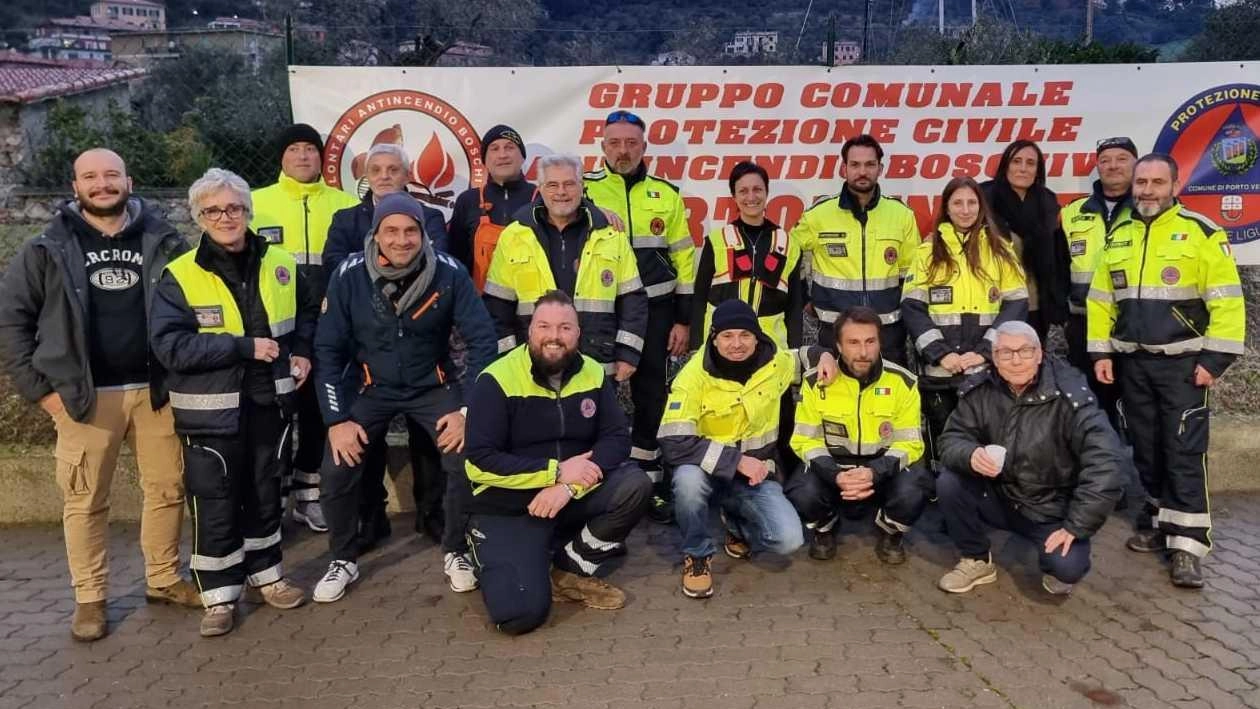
[
  {"x": 312, "y": 515},
  {"x": 822, "y": 545},
  {"x": 459, "y": 572},
  {"x": 332, "y": 587},
  {"x": 1054, "y": 586},
  {"x": 1146, "y": 541},
  {"x": 180, "y": 593},
  {"x": 587, "y": 590},
  {"x": 660, "y": 510},
  {"x": 218, "y": 620},
  {"x": 1185, "y": 571},
  {"x": 736, "y": 548},
  {"x": 282, "y": 594},
  {"x": 697, "y": 576},
  {"x": 968, "y": 574},
  {"x": 88, "y": 623},
  {"x": 891, "y": 548}
]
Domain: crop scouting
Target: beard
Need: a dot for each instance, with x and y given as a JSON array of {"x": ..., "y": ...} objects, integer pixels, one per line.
[
  {"x": 547, "y": 366},
  {"x": 866, "y": 186},
  {"x": 110, "y": 210}
]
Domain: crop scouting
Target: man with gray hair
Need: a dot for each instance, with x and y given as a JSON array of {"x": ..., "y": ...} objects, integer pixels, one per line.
[
  {"x": 1027, "y": 450},
  {"x": 564, "y": 242}
]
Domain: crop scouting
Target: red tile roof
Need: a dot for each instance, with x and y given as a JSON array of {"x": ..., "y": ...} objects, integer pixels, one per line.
[{"x": 26, "y": 79}]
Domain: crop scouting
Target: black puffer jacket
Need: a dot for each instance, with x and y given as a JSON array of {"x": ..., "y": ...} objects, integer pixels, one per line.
[{"x": 1063, "y": 461}]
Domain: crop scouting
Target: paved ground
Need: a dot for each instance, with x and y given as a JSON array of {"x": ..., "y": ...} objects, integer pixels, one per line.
[{"x": 849, "y": 633}]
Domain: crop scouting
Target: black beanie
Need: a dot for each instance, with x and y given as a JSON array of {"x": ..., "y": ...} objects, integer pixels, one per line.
[
  {"x": 501, "y": 131},
  {"x": 299, "y": 133},
  {"x": 735, "y": 315},
  {"x": 1122, "y": 143}
]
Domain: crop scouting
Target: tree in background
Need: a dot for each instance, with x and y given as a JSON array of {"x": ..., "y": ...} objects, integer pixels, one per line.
[
  {"x": 1230, "y": 33},
  {"x": 992, "y": 41}
]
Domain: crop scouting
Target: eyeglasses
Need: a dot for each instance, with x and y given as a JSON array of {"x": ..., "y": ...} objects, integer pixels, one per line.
[
  {"x": 626, "y": 116},
  {"x": 214, "y": 214},
  {"x": 1005, "y": 355}
]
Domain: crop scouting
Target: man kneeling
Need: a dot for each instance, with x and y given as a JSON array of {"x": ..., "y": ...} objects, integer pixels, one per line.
[
  {"x": 1027, "y": 450},
  {"x": 861, "y": 443},
  {"x": 548, "y": 451}
]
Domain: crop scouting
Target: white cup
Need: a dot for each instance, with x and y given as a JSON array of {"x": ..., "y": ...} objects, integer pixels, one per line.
[{"x": 997, "y": 453}]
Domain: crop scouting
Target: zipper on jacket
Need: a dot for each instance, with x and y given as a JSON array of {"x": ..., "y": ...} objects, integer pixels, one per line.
[
  {"x": 560, "y": 414},
  {"x": 866, "y": 298},
  {"x": 629, "y": 216},
  {"x": 306, "y": 227},
  {"x": 1146, "y": 241}
]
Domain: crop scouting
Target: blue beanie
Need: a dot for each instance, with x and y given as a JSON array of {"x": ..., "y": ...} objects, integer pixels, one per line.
[{"x": 397, "y": 203}]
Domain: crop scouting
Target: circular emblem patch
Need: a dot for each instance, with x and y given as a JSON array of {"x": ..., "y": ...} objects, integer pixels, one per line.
[
  {"x": 658, "y": 226},
  {"x": 994, "y": 294},
  {"x": 606, "y": 277},
  {"x": 282, "y": 275},
  {"x": 588, "y": 407},
  {"x": 890, "y": 255},
  {"x": 1170, "y": 275},
  {"x": 885, "y": 430}
]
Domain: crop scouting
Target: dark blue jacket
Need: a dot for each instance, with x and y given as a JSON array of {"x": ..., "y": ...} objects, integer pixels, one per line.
[
  {"x": 350, "y": 228},
  {"x": 362, "y": 343}
]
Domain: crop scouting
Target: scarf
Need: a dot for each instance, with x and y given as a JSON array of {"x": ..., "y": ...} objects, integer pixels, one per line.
[
  {"x": 390, "y": 277},
  {"x": 1045, "y": 261}
]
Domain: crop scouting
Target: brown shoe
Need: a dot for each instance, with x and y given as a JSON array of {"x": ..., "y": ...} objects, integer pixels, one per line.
[
  {"x": 180, "y": 593},
  {"x": 587, "y": 590},
  {"x": 218, "y": 620},
  {"x": 736, "y": 547},
  {"x": 697, "y": 576},
  {"x": 282, "y": 595},
  {"x": 89, "y": 621}
]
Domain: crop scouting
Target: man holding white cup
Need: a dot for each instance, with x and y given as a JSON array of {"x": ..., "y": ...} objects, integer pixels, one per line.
[{"x": 1027, "y": 450}]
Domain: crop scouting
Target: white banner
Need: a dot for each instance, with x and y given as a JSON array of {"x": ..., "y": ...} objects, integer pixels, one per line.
[{"x": 934, "y": 122}]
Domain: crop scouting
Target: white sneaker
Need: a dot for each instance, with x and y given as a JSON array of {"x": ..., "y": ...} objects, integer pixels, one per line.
[
  {"x": 333, "y": 586},
  {"x": 311, "y": 514},
  {"x": 459, "y": 572}
]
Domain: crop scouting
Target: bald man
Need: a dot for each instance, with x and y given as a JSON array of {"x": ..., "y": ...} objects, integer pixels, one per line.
[{"x": 74, "y": 338}]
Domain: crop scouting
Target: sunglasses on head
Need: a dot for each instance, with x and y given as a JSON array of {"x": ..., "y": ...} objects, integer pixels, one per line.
[
  {"x": 1117, "y": 142},
  {"x": 626, "y": 116}
]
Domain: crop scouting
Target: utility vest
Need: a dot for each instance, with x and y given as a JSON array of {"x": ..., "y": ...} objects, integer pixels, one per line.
[{"x": 759, "y": 279}]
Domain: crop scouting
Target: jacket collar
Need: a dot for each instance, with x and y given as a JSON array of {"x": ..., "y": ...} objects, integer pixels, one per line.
[
  {"x": 593, "y": 215},
  {"x": 575, "y": 366},
  {"x": 1097, "y": 201},
  {"x": 210, "y": 255},
  {"x": 639, "y": 175},
  {"x": 298, "y": 190},
  {"x": 877, "y": 370},
  {"x": 849, "y": 201}
]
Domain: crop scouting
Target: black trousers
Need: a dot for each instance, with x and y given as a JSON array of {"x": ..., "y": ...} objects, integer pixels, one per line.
[
  {"x": 1166, "y": 417},
  {"x": 233, "y": 490},
  {"x": 1107, "y": 394},
  {"x": 341, "y": 485},
  {"x": 301, "y": 481},
  {"x": 514, "y": 554},
  {"x": 892, "y": 340},
  {"x": 939, "y": 398},
  {"x": 899, "y": 499},
  {"x": 429, "y": 486},
  {"x": 973, "y": 505},
  {"x": 647, "y": 386}
]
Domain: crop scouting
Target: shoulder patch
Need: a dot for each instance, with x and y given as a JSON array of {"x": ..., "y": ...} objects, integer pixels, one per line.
[{"x": 1208, "y": 226}]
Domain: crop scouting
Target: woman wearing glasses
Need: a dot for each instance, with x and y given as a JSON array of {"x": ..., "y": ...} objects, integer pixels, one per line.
[
  {"x": 965, "y": 282},
  {"x": 232, "y": 322}
]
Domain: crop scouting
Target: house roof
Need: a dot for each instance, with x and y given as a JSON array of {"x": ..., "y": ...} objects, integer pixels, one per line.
[
  {"x": 27, "y": 79},
  {"x": 92, "y": 23},
  {"x": 142, "y": 3}
]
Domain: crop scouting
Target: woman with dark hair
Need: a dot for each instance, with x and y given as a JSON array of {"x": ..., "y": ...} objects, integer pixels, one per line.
[
  {"x": 965, "y": 282},
  {"x": 1027, "y": 212},
  {"x": 751, "y": 259}
]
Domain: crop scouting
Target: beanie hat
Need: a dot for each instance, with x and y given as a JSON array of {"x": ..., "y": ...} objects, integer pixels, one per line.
[
  {"x": 397, "y": 203},
  {"x": 1122, "y": 143},
  {"x": 299, "y": 133},
  {"x": 501, "y": 131},
  {"x": 735, "y": 315}
]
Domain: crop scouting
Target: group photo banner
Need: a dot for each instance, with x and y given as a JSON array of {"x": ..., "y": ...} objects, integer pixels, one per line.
[{"x": 935, "y": 123}]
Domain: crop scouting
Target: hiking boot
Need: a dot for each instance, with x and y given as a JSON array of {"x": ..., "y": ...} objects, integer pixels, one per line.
[
  {"x": 88, "y": 623},
  {"x": 282, "y": 594},
  {"x": 1054, "y": 586},
  {"x": 660, "y": 510},
  {"x": 890, "y": 548},
  {"x": 311, "y": 514},
  {"x": 459, "y": 571},
  {"x": 1146, "y": 541},
  {"x": 218, "y": 620},
  {"x": 1185, "y": 571},
  {"x": 822, "y": 545},
  {"x": 697, "y": 576},
  {"x": 336, "y": 580},
  {"x": 735, "y": 547},
  {"x": 587, "y": 590},
  {"x": 968, "y": 574},
  {"x": 180, "y": 593}
]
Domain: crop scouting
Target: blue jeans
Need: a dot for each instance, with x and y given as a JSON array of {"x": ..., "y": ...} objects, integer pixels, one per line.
[{"x": 760, "y": 514}]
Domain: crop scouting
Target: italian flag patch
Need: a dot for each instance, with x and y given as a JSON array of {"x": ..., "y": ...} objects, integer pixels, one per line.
[
  {"x": 883, "y": 391},
  {"x": 652, "y": 194},
  {"x": 1180, "y": 236}
]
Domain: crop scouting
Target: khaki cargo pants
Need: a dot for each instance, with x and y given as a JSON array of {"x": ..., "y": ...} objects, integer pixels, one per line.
[{"x": 86, "y": 455}]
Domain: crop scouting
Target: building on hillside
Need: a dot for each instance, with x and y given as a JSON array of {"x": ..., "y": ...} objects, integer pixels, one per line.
[
  {"x": 142, "y": 48},
  {"x": 746, "y": 44},
  {"x": 675, "y": 58},
  {"x": 143, "y": 14},
  {"x": 79, "y": 37},
  {"x": 28, "y": 87},
  {"x": 846, "y": 52}
]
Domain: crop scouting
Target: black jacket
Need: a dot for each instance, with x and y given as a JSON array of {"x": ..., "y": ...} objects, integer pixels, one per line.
[
  {"x": 350, "y": 228},
  {"x": 1044, "y": 252},
  {"x": 501, "y": 205},
  {"x": 43, "y": 309},
  {"x": 1063, "y": 460}
]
